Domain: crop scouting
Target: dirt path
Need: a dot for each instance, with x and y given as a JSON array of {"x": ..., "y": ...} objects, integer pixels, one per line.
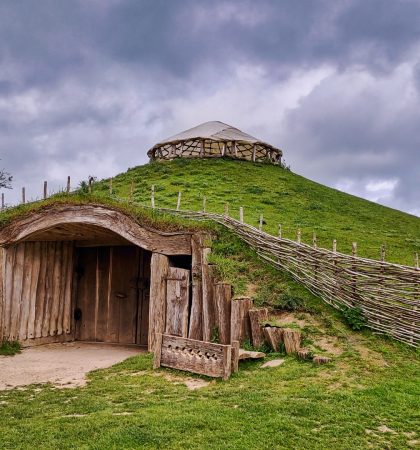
[{"x": 64, "y": 365}]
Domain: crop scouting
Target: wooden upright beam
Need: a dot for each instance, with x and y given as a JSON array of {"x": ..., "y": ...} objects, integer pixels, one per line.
[{"x": 159, "y": 268}]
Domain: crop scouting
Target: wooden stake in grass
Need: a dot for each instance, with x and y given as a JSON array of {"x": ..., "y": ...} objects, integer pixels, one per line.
[
  {"x": 335, "y": 246},
  {"x": 68, "y": 185},
  {"x": 354, "y": 249},
  {"x": 90, "y": 185},
  {"x": 299, "y": 236},
  {"x": 153, "y": 196},
  {"x": 178, "y": 203},
  {"x": 2, "y": 200},
  {"x": 45, "y": 189},
  {"x": 110, "y": 186},
  {"x": 314, "y": 243},
  {"x": 204, "y": 203},
  {"x": 131, "y": 191},
  {"x": 241, "y": 214},
  {"x": 280, "y": 231},
  {"x": 416, "y": 261},
  {"x": 383, "y": 253},
  {"x": 23, "y": 196},
  {"x": 226, "y": 209},
  {"x": 260, "y": 226}
]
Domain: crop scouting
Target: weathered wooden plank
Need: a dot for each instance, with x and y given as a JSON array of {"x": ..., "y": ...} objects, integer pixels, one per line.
[
  {"x": 49, "y": 289},
  {"x": 235, "y": 356},
  {"x": 8, "y": 289},
  {"x": 102, "y": 297},
  {"x": 240, "y": 329},
  {"x": 41, "y": 290},
  {"x": 63, "y": 276},
  {"x": 257, "y": 318},
  {"x": 196, "y": 314},
  {"x": 68, "y": 291},
  {"x": 144, "y": 292},
  {"x": 274, "y": 337},
  {"x": 159, "y": 266},
  {"x": 208, "y": 322},
  {"x": 248, "y": 354},
  {"x": 2, "y": 290},
  {"x": 177, "y": 300},
  {"x": 205, "y": 358},
  {"x": 17, "y": 292},
  {"x": 40, "y": 225},
  {"x": 291, "y": 339},
  {"x": 26, "y": 290},
  {"x": 35, "y": 275},
  {"x": 55, "y": 289},
  {"x": 222, "y": 301},
  {"x": 158, "y": 351}
]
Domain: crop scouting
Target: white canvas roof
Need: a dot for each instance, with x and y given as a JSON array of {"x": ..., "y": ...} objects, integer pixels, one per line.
[{"x": 217, "y": 131}]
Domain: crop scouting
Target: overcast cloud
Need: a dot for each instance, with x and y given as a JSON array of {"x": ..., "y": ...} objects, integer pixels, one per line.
[{"x": 87, "y": 87}]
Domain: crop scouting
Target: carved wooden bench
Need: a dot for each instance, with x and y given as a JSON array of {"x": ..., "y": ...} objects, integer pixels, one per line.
[{"x": 205, "y": 358}]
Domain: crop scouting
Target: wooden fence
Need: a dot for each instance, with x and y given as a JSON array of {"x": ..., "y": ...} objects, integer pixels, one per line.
[{"x": 387, "y": 294}]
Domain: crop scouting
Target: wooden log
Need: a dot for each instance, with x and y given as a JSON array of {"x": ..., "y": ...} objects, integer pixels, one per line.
[
  {"x": 45, "y": 189},
  {"x": 318, "y": 359},
  {"x": 240, "y": 327},
  {"x": 241, "y": 214},
  {"x": 204, "y": 203},
  {"x": 177, "y": 300},
  {"x": 235, "y": 356},
  {"x": 178, "y": 203},
  {"x": 18, "y": 276},
  {"x": 248, "y": 354},
  {"x": 159, "y": 267},
  {"x": 222, "y": 302},
  {"x": 2, "y": 200},
  {"x": 260, "y": 225},
  {"x": 257, "y": 318},
  {"x": 158, "y": 351},
  {"x": 208, "y": 321},
  {"x": 68, "y": 185},
  {"x": 196, "y": 315},
  {"x": 274, "y": 337},
  {"x": 153, "y": 197},
  {"x": 304, "y": 353},
  {"x": 291, "y": 340},
  {"x": 279, "y": 231},
  {"x": 23, "y": 195}
]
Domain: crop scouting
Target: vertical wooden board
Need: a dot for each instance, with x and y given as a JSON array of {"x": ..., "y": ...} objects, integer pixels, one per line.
[
  {"x": 257, "y": 318},
  {"x": 196, "y": 315},
  {"x": 17, "y": 291},
  {"x": 49, "y": 286},
  {"x": 86, "y": 293},
  {"x": 177, "y": 300},
  {"x": 159, "y": 267},
  {"x": 68, "y": 292},
  {"x": 8, "y": 288},
  {"x": 103, "y": 286},
  {"x": 208, "y": 307},
  {"x": 36, "y": 266},
  {"x": 26, "y": 290},
  {"x": 2, "y": 283},
  {"x": 124, "y": 291},
  {"x": 222, "y": 299},
  {"x": 63, "y": 276},
  {"x": 240, "y": 328},
  {"x": 41, "y": 290},
  {"x": 144, "y": 292},
  {"x": 56, "y": 288}
]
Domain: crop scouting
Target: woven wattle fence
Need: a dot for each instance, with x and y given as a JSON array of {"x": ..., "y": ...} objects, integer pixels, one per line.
[{"x": 387, "y": 294}]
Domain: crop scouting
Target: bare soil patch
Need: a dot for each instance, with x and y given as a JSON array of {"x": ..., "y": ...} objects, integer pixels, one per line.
[{"x": 64, "y": 365}]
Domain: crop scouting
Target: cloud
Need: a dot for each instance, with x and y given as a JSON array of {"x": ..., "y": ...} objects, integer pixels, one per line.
[{"x": 88, "y": 87}]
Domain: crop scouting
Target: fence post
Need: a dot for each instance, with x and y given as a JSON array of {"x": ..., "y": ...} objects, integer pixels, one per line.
[
  {"x": 241, "y": 214},
  {"x": 353, "y": 267},
  {"x": 23, "y": 195},
  {"x": 110, "y": 186},
  {"x": 354, "y": 249},
  {"x": 382, "y": 253},
  {"x": 2, "y": 200},
  {"x": 45, "y": 190},
  {"x": 260, "y": 226},
  {"x": 131, "y": 191},
  {"x": 90, "y": 185},
  {"x": 68, "y": 184},
  {"x": 226, "y": 209},
  {"x": 299, "y": 236},
  {"x": 204, "y": 203},
  {"x": 280, "y": 231},
  {"x": 178, "y": 203},
  {"x": 153, "y": 196},
  {"x": 314, "y": 243},
  {"x": 416, "y": 261}
]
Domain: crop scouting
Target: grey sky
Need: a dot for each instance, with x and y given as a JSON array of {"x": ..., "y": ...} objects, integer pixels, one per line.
[{"x": 86, "y": 87}]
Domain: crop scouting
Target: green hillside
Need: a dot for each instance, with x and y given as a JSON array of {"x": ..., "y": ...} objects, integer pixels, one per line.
[{"x": 282, "y": 197}]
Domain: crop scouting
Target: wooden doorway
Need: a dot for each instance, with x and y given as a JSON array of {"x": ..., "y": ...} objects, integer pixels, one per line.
[{"x": 112, "y": 294}]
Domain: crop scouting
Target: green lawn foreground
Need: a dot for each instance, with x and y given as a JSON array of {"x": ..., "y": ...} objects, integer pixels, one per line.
[{"x": 368, "y": 397}]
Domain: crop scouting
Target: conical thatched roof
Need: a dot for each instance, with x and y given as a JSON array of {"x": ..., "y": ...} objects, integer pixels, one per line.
[{"x": 214, "y": 139}]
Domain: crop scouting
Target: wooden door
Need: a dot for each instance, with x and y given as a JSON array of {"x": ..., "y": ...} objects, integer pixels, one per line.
[
  {"x": 177, "y": 302},
  {"x": 111, "y": 294}
]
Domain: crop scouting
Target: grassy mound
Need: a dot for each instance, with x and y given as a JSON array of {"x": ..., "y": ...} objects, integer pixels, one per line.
[{"x": 282, "y": 197}]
